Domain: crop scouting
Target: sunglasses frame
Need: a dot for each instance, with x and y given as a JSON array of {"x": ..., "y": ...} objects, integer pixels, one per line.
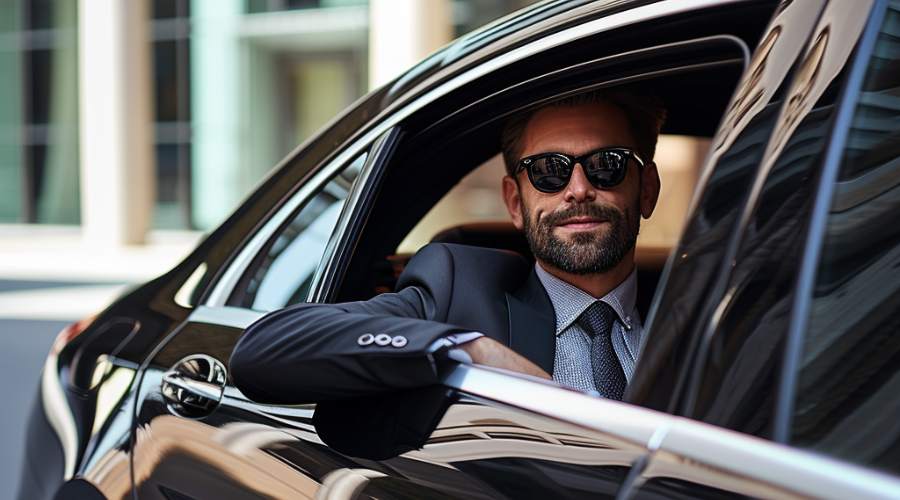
[{"x": 525, "y": 163}]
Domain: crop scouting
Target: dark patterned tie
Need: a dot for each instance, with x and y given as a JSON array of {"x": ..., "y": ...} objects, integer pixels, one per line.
[{"x": 597, "y": 321}]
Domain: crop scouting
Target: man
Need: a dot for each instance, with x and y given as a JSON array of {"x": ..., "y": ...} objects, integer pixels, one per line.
[{"x": 580, "y": 176}]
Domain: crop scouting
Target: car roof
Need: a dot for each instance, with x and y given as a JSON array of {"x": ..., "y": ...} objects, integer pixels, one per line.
[{"x": 493, "y": 38}]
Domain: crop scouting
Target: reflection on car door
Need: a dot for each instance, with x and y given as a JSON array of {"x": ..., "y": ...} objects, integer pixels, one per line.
[{"x": 240, "y": 449}]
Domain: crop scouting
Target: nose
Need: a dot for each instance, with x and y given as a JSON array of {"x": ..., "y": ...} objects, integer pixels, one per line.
[{"x": 579, "y": 188}]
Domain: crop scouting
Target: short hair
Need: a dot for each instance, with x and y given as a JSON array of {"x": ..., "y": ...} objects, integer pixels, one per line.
[{"x": 645, "y": 113}]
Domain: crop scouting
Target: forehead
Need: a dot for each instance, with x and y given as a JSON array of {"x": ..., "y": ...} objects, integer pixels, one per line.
[{"x": 576, "y": 129}]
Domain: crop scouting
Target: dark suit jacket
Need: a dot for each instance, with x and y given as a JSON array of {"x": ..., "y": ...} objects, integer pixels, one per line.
[{"x": 310, "y": 352}]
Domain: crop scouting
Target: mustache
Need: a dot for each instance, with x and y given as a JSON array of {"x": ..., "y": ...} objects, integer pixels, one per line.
[{"x": 603, "y": 212}]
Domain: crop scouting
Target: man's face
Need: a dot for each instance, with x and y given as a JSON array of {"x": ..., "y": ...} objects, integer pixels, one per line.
[{"x": 581, "y": 229}]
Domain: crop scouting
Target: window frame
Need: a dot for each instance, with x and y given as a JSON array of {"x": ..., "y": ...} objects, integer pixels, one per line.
[
  {"x": 238, "y": 295},
  {"x": 224, "y": 286},
  {"x": 348, "y": 238},
  {"x": 220, "y": 289},
  {"x": 353, "y": 217}
]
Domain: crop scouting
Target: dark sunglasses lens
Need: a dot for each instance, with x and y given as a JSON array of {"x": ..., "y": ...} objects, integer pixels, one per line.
[
  {"x": 550, "y": 173},
  {"x": 606, "y": 168}
]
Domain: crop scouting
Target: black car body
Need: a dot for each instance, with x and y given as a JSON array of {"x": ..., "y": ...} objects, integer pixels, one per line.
[{"x": 773, "y": 359}]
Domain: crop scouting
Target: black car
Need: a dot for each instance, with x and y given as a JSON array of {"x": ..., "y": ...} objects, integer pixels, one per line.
[{"x": 772, "y": 361}]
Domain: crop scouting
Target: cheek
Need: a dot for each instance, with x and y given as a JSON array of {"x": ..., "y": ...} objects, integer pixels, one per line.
[{"x": 536, "y": 208}]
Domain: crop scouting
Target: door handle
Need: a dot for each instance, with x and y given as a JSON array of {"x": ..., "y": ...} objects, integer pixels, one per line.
[
  {"x": 193, "y": 387},
  {"x": 196, "y": 388}
]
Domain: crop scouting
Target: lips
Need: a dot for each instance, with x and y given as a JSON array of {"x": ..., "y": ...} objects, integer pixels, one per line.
[{"x": 582, "y": 222}]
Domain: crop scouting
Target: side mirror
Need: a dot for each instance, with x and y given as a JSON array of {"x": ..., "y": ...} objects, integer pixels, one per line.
[{"x": 385, "y": 425}]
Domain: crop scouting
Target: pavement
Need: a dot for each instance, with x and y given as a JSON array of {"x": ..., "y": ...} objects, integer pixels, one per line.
[{"x": 50, "y": 277}]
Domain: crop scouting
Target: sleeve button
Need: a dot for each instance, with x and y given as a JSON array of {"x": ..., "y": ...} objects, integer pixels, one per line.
[
  {"x": 399, "y": 341},
  {"x": 382, "y": 339},
  {"x": 365, "y": 339}
]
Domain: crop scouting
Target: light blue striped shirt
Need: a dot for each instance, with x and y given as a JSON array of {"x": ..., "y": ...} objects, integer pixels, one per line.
[{"x": 572, "y": 366}]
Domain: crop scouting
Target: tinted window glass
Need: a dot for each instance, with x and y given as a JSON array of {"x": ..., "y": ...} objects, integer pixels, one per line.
[
  {"x": 283, "y": 271},
  {"x": 849, "y": 376},
  {"x": 742, "y": 359},
  {"x": 690, "y": 292}
]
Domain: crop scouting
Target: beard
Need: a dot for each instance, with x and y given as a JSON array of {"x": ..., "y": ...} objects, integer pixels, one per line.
[{"x": 586, "y": 252}]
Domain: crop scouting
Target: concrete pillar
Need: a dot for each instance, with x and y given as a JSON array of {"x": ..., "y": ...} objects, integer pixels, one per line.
[
  {"x": 216, "y": 96},
  {"x": 118, "y": 188},
  {"x": 403, "y": 32},
  {"x": 12, "y": 185}
]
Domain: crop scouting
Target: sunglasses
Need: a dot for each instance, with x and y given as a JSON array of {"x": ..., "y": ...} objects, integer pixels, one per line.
[{"x": 604, "y": 168}]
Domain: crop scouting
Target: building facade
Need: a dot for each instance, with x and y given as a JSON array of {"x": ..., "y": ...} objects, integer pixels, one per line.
[{"x": 125, "y": 117}]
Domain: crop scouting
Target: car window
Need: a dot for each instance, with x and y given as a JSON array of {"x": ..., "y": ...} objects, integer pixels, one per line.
[
  {"x": 849, "y": 370},
  {"x": 692, "y": 288},
  {"x": 282, "y": 273},
  {"x": 739, "y": 365}
]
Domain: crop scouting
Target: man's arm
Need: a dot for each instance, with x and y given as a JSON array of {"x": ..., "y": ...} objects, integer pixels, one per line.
[
  {"x": 313, "y": 352},
  {"x": 320, "y": 352}
]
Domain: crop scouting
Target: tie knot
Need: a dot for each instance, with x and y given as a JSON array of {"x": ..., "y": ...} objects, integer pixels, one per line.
[{"x": 597, "y": 319}]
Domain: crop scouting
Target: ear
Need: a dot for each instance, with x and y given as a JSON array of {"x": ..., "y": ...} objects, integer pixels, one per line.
[
  {"x": 513, "y": 199},
  {"x": 649, "y": 189}
]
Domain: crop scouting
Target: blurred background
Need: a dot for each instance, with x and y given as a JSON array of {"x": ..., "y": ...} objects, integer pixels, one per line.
[{"x": 130, "y": 127}]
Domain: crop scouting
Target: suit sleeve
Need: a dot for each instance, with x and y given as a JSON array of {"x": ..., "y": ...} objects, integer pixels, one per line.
[{"x": 311, "y": 352}]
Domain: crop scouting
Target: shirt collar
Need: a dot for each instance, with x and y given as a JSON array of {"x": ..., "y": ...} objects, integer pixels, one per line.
[{"x": 570, "y": 301}]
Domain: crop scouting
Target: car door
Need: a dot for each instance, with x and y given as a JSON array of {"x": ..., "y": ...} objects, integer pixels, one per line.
[
  {"x": 743, "y": 373},
  {"x": 187, "y": 415},
  {"x": 197, "y": 436}
]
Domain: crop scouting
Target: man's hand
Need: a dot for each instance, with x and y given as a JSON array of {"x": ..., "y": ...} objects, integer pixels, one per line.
[{"x": 489, "y": 352}]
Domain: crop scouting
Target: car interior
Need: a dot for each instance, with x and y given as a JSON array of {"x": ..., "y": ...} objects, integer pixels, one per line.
[{"x": 427, "y": 165}]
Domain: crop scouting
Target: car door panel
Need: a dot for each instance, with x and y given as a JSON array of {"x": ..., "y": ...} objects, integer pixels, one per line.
[
  {"x": 481, "y": 448},
  {"x": 737, "y": 379}
]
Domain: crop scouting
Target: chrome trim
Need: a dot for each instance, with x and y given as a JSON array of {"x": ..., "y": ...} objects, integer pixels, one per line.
[
  {"x": 184, "y": 377},
  {"x": 391, "y": 118},
  {"x": 772, "y": 463},
  {"x": 235, "y": 317},
  {"x": 542, "y": 397},
  {"x": 793, "y": 469},
  {"x": 194, "y": 387}
]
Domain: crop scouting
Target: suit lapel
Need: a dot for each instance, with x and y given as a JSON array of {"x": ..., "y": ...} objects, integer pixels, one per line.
[{"x": 532, "y": 323}]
